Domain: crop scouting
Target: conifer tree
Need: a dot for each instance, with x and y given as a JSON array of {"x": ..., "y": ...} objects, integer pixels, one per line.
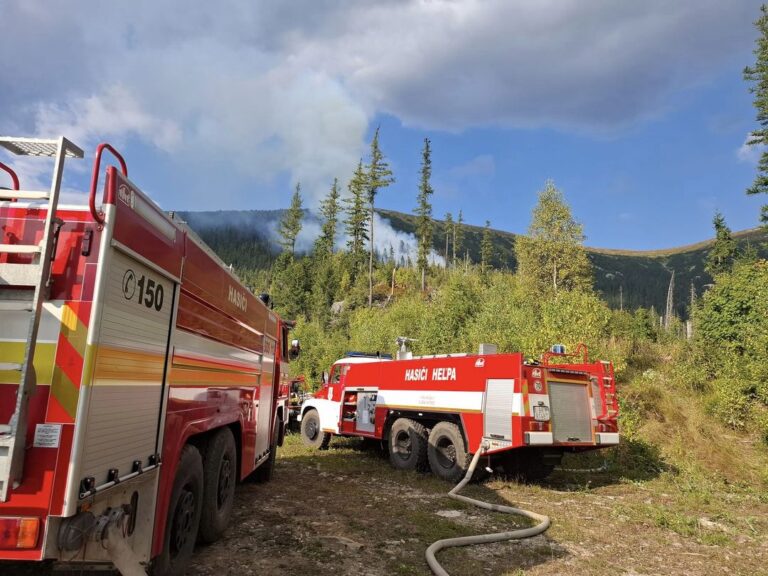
[
  {"x": 458, "y": 236},
  {"x": 486, "y": 248},
  {"x": 378, "y": 176},
  {"x": 357, "y": 215},
  {"x": 720, "y": 258},
  {"x": 552, "y": 256},
  {"x": 329, "y": 210},
  {"x": 424, "y": 224},
  {"x": 290, "y": 225},
  {"x": 757, "y": 75}
]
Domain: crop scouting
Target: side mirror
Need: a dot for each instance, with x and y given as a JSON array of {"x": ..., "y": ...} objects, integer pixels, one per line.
[
  {"x": 325, "y": 378},
  {"x": 295, "y": 387},
  {"x": 293, "y": 352}
]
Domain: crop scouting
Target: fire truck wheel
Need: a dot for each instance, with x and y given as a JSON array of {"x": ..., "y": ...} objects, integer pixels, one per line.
[
  {"x": 408, "y": 445},
  {"x": 220, "y": 474},
  {"x": 311, "y": 433},
  {"x": 448, "y": 457},
  {"x": 183, "y": 518}
]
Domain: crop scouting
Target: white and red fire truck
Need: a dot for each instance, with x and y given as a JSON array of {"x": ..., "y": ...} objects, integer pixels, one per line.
[
  {"x": 139, "y": 379},
  {"x": 434, "y": 412}
]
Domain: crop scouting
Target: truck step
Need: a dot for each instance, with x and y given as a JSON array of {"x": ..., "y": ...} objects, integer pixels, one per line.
[
  {"x": 16, "y": 306},
  {"x": 24, "y": 195},
  {"x": 10, "y": 367},
  {"x": 19, "y": 274},
  {"x": 19, "y": 249}
]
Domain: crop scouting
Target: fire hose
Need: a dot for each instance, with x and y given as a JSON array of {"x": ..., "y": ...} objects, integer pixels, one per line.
[{"x": 543, "y": 522}]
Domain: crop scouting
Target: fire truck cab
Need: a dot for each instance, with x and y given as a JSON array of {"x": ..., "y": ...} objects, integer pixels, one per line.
[{"x": 434, "y": 412}]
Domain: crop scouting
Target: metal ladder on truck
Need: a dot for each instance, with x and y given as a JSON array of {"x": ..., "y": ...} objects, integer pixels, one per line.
[{"x": 24, "y": 287}]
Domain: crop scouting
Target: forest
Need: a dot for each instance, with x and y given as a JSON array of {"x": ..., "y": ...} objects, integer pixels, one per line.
[{"x": 466, "y": 285}]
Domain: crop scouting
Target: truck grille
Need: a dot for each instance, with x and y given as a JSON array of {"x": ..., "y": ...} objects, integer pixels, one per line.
[{"x": 571, "y": 416}]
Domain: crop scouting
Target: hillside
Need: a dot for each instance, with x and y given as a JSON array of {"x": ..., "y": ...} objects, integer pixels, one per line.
[{"x": 247, "y": 240}]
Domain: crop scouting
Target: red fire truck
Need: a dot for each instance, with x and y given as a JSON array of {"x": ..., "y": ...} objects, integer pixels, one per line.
[
  {"x": 139, "y": 379},
  {"x": 434, "y": 412}
]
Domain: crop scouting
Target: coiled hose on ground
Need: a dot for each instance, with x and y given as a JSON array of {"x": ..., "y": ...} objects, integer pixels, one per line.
[{"x": 543, "y": 522}]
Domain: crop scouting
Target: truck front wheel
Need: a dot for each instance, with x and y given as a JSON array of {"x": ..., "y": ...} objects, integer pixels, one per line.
[
  {"x": 311, "y": 433},
  {"x": 448, "y": 457},
  {"x": 183, "y": 515},
  {"x": 408, "y": 445}
]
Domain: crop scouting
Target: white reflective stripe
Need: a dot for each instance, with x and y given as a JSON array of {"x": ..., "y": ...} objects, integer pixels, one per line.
[
  {"x": 198, "y": 347},
  {"x": 517, "y": 404},
  {"x": 431, "y": 400},
  {"x": 15, "y": 324}
]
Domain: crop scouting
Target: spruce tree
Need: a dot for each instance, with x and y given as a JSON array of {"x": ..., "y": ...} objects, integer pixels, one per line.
[
  {"x": 290, "y": 225},
  {"x": 378, "y": 176},
  {"x": 357, "y": 215},
  {"x": 757, "y": 75},
  {"x": 486, "y": 248},
  {"x": 424, "y": 225},
  {"x": 329, "y": 210},
  {"x": 723, "y": 253},
  {"x": 552, "y": 256}
]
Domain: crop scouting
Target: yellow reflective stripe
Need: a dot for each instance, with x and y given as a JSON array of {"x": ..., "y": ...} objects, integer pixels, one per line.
[
  {"x": 73, "y": 329},
  {"x": 13, "y": 352}
]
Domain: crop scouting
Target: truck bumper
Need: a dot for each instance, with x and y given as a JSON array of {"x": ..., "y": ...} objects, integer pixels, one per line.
[{"x": 607, "y": 438}]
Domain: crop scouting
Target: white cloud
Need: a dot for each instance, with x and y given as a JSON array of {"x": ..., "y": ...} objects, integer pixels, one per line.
[
  {"x": 247, "y": 92},
  {"x": 749, "y": 154}
]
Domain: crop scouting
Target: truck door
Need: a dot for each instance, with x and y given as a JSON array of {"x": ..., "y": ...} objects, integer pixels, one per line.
[{"x": 129, "y": 354}]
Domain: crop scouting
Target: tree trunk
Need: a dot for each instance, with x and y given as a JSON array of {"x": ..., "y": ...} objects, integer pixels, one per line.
[{"x": 554, "y": 276}]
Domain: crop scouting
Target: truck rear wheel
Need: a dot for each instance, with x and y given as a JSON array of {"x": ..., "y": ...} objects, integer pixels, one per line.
[
  {"x": 408, "y": 445},
  {"x": 220, "y": 477},
  {"x": 311, "y": 433},
  {"x": 448, "y": 457},
  {"x": 183, "y": 519}
]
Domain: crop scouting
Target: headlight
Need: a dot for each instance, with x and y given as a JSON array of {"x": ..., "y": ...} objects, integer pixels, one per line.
[{"x": 541, "y": 413}]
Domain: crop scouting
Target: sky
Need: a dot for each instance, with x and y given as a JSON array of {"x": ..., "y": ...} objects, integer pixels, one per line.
[{"x": 637, "y": 110}]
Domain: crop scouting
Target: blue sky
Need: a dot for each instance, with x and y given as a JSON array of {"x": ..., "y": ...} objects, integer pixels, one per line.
[{"x": 638, "y": 111}]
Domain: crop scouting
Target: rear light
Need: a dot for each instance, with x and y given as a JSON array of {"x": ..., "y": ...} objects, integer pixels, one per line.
[
  {"x": 18, "y": 532},
  {"x": 534, "y": 426}
]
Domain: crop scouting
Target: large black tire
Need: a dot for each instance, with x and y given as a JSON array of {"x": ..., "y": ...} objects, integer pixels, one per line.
[
  {"x": 448, "y": 457},
  {"x": 311, "y": 434},
  {"x": 408, "y": 445},
  {"x": 183, "y": 518},
  {"x": 220, "y": 477}
]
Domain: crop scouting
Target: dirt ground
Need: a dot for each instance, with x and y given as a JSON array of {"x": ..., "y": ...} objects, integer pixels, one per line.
[{"x": 344, "y": 511}]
